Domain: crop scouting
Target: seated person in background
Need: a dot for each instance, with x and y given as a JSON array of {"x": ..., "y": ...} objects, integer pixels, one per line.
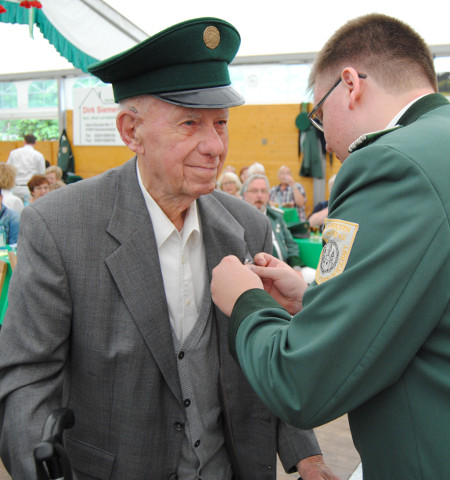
[
  {"x": 9, "y": 222},
  {"x": 38, "y": 186},
  {"x": 255, "y": 168},
  {"x": 229, "y": 183},
  {"x": 229, "y": 168},
  {"x": 54, "y": 175},
  {"x": 289, "y": 193},
  {"x": 243, "y": 174},
  {"x": 7, "y": 183},
  {"x": 320, "y": 211},
  {"x": 256, "y": 192}
]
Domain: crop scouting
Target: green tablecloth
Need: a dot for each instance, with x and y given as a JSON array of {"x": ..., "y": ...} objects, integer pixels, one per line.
[
  {"x": 4, "y": 295},
  {"x": 290, "y": 215},
  {"x": 309, "y": 250}
]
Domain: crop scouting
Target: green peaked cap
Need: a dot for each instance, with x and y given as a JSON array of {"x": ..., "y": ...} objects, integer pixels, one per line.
[{"x": 186, "y": 64}]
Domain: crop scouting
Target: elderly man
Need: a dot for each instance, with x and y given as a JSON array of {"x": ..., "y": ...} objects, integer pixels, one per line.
[
  {"x": 373, "y": 345},
  {"x": 256, "y": 192},
  {"x": 110, "y": 310}
]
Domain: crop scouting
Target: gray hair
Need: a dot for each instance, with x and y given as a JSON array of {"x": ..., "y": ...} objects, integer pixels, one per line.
[
  {"x": 256, "y": 168},
  {"x": 256, "y": 176}
]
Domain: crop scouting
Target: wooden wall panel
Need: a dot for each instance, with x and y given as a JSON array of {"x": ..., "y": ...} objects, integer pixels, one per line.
[
  {"x": 258, "y": 133},
  {"x": 48, "y": 148},
  {"x": 267, "y": 134}
]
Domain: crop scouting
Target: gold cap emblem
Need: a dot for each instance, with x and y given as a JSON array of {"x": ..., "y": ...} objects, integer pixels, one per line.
[{"x": 211, "y": 37}]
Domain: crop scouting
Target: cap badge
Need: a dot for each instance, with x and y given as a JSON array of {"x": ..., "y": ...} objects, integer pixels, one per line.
[{"x": 211, "y": 37}]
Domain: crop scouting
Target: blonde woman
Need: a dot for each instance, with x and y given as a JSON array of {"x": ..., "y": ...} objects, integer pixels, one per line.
[
  {"x": 229, "y": 182},
  {"x": 7, "y": 182}
]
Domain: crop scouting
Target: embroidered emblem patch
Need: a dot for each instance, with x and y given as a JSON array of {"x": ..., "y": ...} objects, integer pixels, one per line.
[{"x": 338, "y": 236}]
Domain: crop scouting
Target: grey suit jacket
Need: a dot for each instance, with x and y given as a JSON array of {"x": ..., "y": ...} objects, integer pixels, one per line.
[{"x": 88, "y": 327}]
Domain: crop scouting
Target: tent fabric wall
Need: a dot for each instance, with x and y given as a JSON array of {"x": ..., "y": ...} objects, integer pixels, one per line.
[{"x": 83, "y": 32}]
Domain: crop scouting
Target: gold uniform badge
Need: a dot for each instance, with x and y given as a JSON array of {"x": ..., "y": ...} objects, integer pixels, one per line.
[
  {"x": 338, "y": 237},
  {"x": 211, "y": 37}
]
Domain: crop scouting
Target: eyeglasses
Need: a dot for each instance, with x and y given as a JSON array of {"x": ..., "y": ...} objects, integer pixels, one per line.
[
  {"x": 258, "y": 190},
  {"x": 313, "y": 116}
]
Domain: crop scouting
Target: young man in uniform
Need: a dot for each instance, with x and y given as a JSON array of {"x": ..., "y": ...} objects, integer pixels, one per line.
[{"x": 374, "y": 345}]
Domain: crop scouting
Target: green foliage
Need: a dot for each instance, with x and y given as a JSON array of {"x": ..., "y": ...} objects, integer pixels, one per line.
[
  {"x": 444, "y": 83},
  {"x": 17, "y": 129}
]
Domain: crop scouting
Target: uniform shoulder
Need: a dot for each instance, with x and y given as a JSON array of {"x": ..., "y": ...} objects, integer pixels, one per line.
[
  {"x": 237, "y": 207},
  {"x": 275, "y": 213}
]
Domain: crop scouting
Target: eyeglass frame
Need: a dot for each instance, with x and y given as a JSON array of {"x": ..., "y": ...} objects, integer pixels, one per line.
[{"x": 313, "y": 113}]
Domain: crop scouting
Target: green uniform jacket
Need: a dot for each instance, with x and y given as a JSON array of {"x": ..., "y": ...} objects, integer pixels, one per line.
[
  {"x": 373, "y": 338},
  {"x": 283, "y": 236}
]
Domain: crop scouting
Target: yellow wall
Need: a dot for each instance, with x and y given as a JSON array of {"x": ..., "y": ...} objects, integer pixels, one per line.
[
  {"x": 258, "y": 133},
  {"x": 267, "y": 134}
]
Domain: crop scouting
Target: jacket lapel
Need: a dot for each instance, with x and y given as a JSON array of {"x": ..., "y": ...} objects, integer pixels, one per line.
[
  {"x": 222, "y": 234},
  {"x": 136, "y": 270}
]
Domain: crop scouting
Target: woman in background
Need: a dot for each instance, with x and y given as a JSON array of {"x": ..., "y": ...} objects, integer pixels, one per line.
[
  {"x": 38, "y": 186},
  {"x": 7, "y": 182},
  {"x": 229, "y": 182}
]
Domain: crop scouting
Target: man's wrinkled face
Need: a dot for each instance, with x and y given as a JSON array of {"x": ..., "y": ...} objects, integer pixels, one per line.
[
  {"x": 257, "y": 194},
  {"x": 183, "y": 149}
]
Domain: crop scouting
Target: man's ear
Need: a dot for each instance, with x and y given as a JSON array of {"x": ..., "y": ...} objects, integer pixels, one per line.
[
  {"x": 127, "y": 122},
  {"x": 352, "y": 82}
]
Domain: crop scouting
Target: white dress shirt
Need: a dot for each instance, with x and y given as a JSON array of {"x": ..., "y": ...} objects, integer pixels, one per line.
[
  {"x": 183, "y": 264},
  {"x": 12, "y": 201},
  {"x": 28, "y": 162}
]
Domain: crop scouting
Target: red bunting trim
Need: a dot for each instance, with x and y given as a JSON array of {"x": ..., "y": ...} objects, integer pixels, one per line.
[
  {"x": 25, "y": 4},
  {"x": 29, "y": 4}
]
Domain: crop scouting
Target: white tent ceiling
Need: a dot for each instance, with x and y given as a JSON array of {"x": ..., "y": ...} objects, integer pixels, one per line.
[
  {"x": 287, "y": 27},
  {"x": 81, "y": 31}
]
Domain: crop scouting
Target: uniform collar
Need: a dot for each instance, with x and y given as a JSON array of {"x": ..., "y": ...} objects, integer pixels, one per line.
[
  {"x": 416, "y": 110},
  {"x": 422, "y": 106}
]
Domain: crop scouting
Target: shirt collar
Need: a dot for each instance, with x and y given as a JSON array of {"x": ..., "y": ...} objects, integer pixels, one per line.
[
  {"x": 397, "y": 117},
  {"x": 162, "y": 226}
]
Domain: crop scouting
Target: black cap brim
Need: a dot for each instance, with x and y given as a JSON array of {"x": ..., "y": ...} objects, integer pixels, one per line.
[{"x": 214, "y": 97}]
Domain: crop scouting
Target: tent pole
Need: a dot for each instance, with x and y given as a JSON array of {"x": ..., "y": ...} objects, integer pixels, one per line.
[{"x": 62, "y": 104}]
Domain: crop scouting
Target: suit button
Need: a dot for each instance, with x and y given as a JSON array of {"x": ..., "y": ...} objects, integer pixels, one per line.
[
  {"x": 187, "y": 402},
  {"x": 178, "y": 426},
  {"x": 180, "y": 355},
  {"x": 197, "y": 443}
]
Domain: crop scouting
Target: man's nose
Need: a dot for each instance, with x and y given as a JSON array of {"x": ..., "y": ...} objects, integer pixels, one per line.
[{"x": 211, "y": 142}]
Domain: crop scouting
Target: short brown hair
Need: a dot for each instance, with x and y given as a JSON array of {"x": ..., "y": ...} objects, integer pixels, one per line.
[
  {"x": 30, "y": 139},
  {"x": 385, "y": 47},
  {"x": 7, "y": 176},
  {"x": 37, "y": 180}
]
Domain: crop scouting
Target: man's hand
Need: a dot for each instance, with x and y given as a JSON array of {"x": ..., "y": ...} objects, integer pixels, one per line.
[
  {"x": 314, "y": 468},
  {"x": 281, "y": 281},
  {"x": 230, "y": 279}
]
